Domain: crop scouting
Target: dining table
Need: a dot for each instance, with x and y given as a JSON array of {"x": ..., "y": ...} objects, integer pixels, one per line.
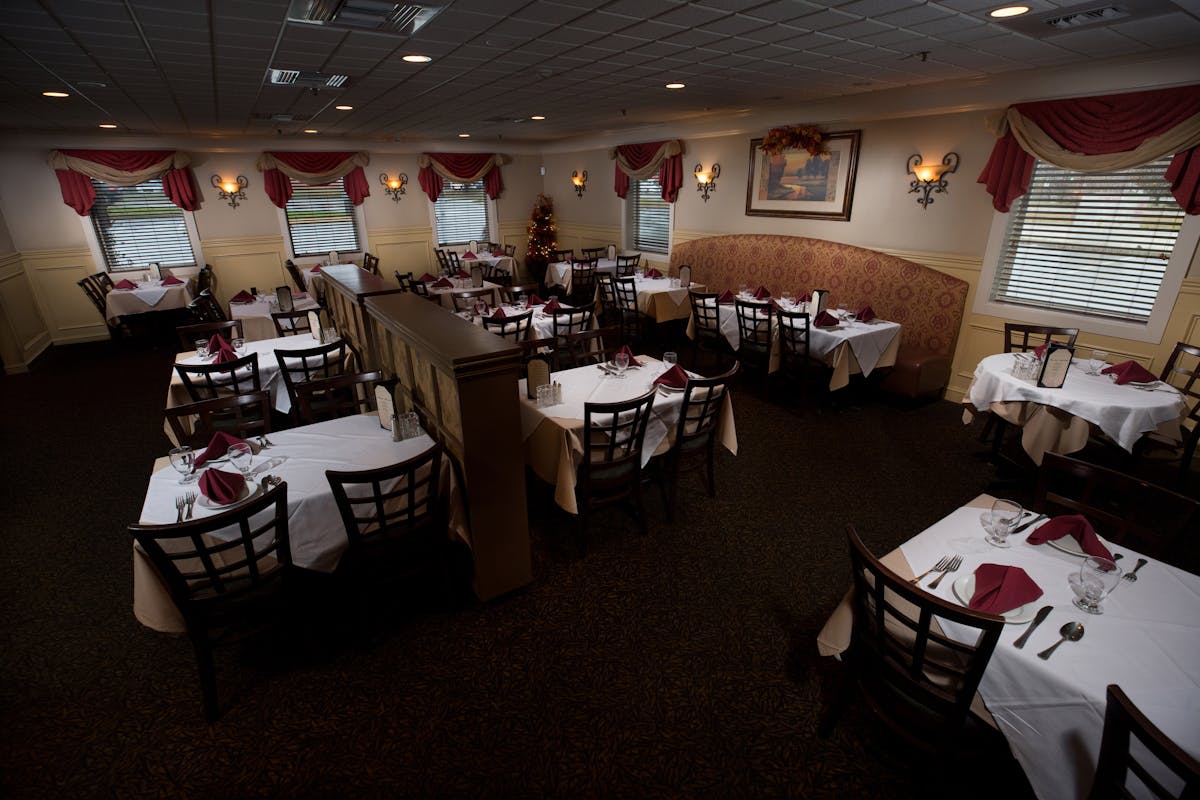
[
  {"x": 541, "y": 324},
  {"x": 559, "y": 273},
  {"x": 664, "y": 299},
  {"x": 552, "y": 435},
  {"x": 299, "y": 456},
  {"x": 1060, "y": 420},
  {"x": 1051, "y": 711},
  {"x": 499, "y": 263},
  {"x": 445, "y": 294},
  {"x": 150, "y": 295},
  {"x": 255, "y": 316}
]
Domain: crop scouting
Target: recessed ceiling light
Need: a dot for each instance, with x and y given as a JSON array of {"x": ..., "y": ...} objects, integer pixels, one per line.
[
  {"x": 1009, "y": 11},
  {"x": 416, "y": 59},
  {"x": 464, "y": 136},
  {"x": 676, "y": 85},
  {"x": 311, "y": 130},
  {"x": 107, "y": 125},
  {"x": 537, "y": 116},
  {"x": 55, "y": 94},
  {"x": 344, "y": 108}
]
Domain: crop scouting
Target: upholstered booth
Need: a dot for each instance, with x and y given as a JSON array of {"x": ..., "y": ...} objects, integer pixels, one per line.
[{"x": 929, "y": 304}]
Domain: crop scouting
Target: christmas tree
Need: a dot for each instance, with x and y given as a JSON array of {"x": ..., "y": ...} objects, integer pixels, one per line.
[{"x": 541, "y": 237}]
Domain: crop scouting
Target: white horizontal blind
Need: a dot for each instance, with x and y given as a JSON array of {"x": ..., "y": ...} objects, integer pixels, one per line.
[
  {"x": 461, "y": 211},
  {"x": 136, "y": 225},
  {"x": 320, "y": 219},
  {"x": 651, "y": 216},
  {"x": 1090, "y": 243}
]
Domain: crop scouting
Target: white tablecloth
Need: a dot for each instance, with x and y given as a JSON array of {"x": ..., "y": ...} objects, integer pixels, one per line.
[
  {"x": 445, "y": 294},
  {"x": 560, "y": 273},
  {"x": 256, "y": 317},
  {"x": 150, "y": 295},
  {"x": 1052, "y": 712},
  {"x": 541, "y": 324},
  {"x": 501, "y": 263}
]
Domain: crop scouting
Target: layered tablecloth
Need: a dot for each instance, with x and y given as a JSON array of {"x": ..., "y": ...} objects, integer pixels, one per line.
[
  {"x": 1059, "y": 420},
  {"x": 658, "y": 299},
  {"x": 445, "y": 295},
  {"x": 256, "y": 317},
  {"x": 500, "y": 263},
  {"x": 560, "y": 274},
  {"x": 150, "y": 295},
  {"x": 541, "y": 324}
]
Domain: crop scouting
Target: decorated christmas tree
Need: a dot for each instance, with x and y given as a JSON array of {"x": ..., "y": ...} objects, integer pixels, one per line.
[{"x": 541, "y": 237}]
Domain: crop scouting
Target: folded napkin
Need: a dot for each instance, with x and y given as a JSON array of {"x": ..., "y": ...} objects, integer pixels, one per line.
[
  {"x": 462, "y": 273},
  {"x": 1077, "y": 527},
  {"x": 171, "y": 280},
  {"x": 865, "y": 314},
  {"x": 218, "y": 343},
  {"x": 427, "y": 278},
  {"x": 762, "y": 293},
  {"x": 242, "y": 297},
  {"x": 317, "y": 268},
  {"x": 675, "y": 377},
  {"x": 726, "y": 297},
  {"x": 1040, "y": 350},
  {"x": 220, "y": 486},
  {"x": 551, "y": 306},
  {"x": 534, "y": 300},
  {"x": 469, "y": 254},
  {"x": 651, "y": 273},
  {"x": 825, "y": 320},
  {"x": 499, "y": 313},
  {"x": 497, "y": 253},
  {"x": 1128, "y": 371},
  {"x": 999, "y": 589},
  {"x": 125, "y": 284},
  {"x": 804, "y": 297},
  {"x": 633, "y": 362},
  {"x": 442, "y": 283},
  {"x": 219, "y": 446},
  {"x": 481, "y": 307}
]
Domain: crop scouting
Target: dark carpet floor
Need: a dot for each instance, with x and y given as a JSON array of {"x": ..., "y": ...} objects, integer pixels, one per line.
[{"x": 679, "y": 664}]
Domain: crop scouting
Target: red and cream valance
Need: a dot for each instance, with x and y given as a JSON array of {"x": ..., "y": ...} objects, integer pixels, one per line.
[
  {"x": 640, "y": 161},
  {"x": 464, "y": 167},
  {"x": 314, "y": 169},
  {"x": 1099, "y": 134},
  {"x": 74, "y": 168}
]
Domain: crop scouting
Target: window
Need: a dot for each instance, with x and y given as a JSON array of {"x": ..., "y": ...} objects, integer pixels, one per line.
[
  {"x": 320, "y": 219},
  {"x": 1090, "y": 243},
  {"x": 649, "y": 216},
  {"x": 462, "y": 214},
  {"x": 136, "y": 225}
]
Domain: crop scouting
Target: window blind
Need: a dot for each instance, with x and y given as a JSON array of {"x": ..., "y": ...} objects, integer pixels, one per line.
[
  {"x": 651, "y": 216},
  {"x": 461, "y": 212},
  {"x": 320, "y": 219},
  {"x": 136, "y": 225},
  {"x": 1090, "y": 243}
]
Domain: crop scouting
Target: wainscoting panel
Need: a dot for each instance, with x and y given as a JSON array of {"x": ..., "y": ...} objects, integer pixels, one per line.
[
  {"x": 23, "y": 332},
  {"x": 245, "y": 262},
  {"x": 54, "y": 276}
]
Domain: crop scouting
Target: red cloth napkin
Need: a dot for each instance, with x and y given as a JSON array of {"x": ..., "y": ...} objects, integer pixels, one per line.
[
  {"x": 762, "y": 293},
  {"x": 242, "y": 297},
  {"x": 220, "y": 486},
  {"x": 218, "y": 447},
  {"x": 443, "y": 283},
  {"x": 171, "y": 280},
  {"x": 651, "y": 273},
  {"x": 534, "y": 300},
  {"x": 481, "y": 307},
  {"x": 462, "y": 273},
  {"x": 317, "y": 268},
  {"x": 125, "y": 284},
  {"x": 497, "y": 253},
  {"x": 865, "y": 314},
  {"x": 1128, "y": 371},
  {"x": 551, "y": 306},
  {"x": 805, "y": 297},
  {"x": 218, "y": 343},
  {"x": 999, "y": 589},
  {"x": 1077, "y": 527},
  {"x": 633, "y": 362},
  {"x": 427, "y": 278},
  {"x": 468, "y": 254},
  {"x": 726, "y": 297},
  {"x": 675, "y": 377},
  {"x": 825, "y": 320},
  {"x": 499, "y": 314},
  {"x": 1040, "y": 350}
]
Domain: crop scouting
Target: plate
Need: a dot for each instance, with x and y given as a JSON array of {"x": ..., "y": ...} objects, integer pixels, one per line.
[
  {"x": 1068, "y": 545},
  {"x": 248, "y": 491},
  {"x": 1144, "y": 384},
  {"x": 964, "y": 590},
  {"x": 666, "y": 388}
]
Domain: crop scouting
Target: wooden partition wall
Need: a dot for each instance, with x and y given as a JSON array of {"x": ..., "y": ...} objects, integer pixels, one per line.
[
  {"x": 347, "y": 288},
  {"x": 462, "y": 381}
]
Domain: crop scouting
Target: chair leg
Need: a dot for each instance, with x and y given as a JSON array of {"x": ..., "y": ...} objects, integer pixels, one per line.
[{"x": 208, "y": 676}]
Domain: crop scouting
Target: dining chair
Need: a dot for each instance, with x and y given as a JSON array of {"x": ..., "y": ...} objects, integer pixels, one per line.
[
  {"x": 206, "y": 381},
  {"x": 1182, "y": 372},
  {"x": 95, "y": 292},
  {"x": 593, "y": 253},
  {"x": 189, "y": 334},
  {"x": 794, "y": 354},
  {"x": 518, "y": 292},
  {"x": 627, "y": 265},
  {"x": 243, "y": 415},
  {"x": 610, "y": 471},
  {"x": 583, "y": 282},
  {"x": 514, "y": 327},
  {"x": 594, "y": 346},
  {"x": 562, "y": 256},
  {"x": 370, "y": 263},
  {"x": 340, "y": 396},
  {"x": 756, "y": 329},
  {"x": 421, "y": 289},
  {"x": 706, "y": 324},
  {"x": 1021, "y": 338},
  {"x": 1124, "y": 724},
  {"x": 608, "y": 298},
  {"x": 404, "y": 279},
  {"x": 563, "y": 323},
  {"x": 312, "y": 363},
  {"x": 696, "y": 435},
  {"x": 510, "y": 250},
  {"x": 452, "y": 257},
  {"x": 465, "y": 300},
  {"x": 1125, "y": 510},
  {"x": 628, "y": 315},
  {"x": 442, "y": 258},
  {"x": 294, "y": 272},
  {"x": 205, "y": 308},
  {"x": 105, "y": 281},
  {"x": 917, "y": 680},
  {"x": 291, "y": 323},
  {"x": 237, "y": 582}
]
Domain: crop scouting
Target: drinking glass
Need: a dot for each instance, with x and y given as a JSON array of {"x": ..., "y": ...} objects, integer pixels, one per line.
[
  {"x": 410, "y": 426},
  {"x": 622, "y": 362},
  {"x": 1097, "y": 577},
  {"x": 1004, "y": 516},
  {"x": 670, "y": 358},
  {"x": 184, "y": 462},
  {"x": 545, "y": 395},
  {"x": 201, "y": 349},
  {"x": 1098, "y": 361},
  {"x": 240, "y": 456},
  {"x": 239, "y": 345}
]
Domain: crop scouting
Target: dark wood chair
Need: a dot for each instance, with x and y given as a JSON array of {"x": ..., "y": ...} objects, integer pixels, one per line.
[
  {"x": 608, "y": 298},
  {"x": 291, "y": 323},
  {"x": 565, "y": 322},
  {"x": 94, "y": 289},
  {"x": 562, "y": 256},
  {"x": 593, "y": 253},
  {"x": 421, "y": 289},
  {"x": 205, "y": 308},
  {"x": 189, "y": 334},
  {"x": 706, "y": 324},
  {"x": 916, "y": 679},
  {"x": 756, "y": 329},
  {"x": 1124, "y": 722},
  {"x": 611, "y": 469},
  {"x": 628, "y": 265},
  {"x": 793, "y": 330},
  {"x": 510, "y": 250},
  {"x": 243, "y": 415},
  {"x": 340, "y": 396},
  {"x": 1123, "y": 509},
  {"x": 224, "y": 585},
  {"x": 105, "y": 281},
  {"x": 1182, "y": 371},
  {"x": 514, "y": 327},
  {"x": 1021, "y": 338},
  {"x": 312, "y": 363},
  {"x": 594, "y": 346},
  {"x": 628, "y": 315},
  {"x": 404, "y": 279},
  {"x": 294, "y": 272},
  {"x": 442, "y": 259},
  {"x": 518, "y": 292},
  {"x": 207, "y": 381},
  {"x": 371, "y": 263},
  {"x": 465, "y": 300},
  {"x": 583, "y": 283},
  {"x": 455, "y": 264},
  {"x": 696, "y": 435}
]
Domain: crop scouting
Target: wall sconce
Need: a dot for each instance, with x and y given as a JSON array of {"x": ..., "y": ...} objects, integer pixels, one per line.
[
  {"x": 231, "y": 190},
  {"x": 580, "y": 181},
  {"x": 930, "y": 177},
  {"x": 394, "y": 186},
  {"x": 706, "y": 179}
]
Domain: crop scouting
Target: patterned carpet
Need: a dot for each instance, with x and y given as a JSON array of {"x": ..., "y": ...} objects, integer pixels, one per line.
[{"x": 679, "y": 664}]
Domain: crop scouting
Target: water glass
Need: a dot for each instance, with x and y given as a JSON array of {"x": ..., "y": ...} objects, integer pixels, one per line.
[
  {"x": 1098, "y": 362},
  {"x": 1000, "y": 521},
  {"x": 670, "y": 358},
  {"x": 410, "y": 426},
  {"x": 239, "y": 345},
  {"x": 1097, "y": 577},
  {"x": 240, "y": 456},
  {"x": 183, "y": 459},
  {"x": 201, "y": 349},
  {"x": 621, "y": 360},
  {"x": 545, "y": 396}
]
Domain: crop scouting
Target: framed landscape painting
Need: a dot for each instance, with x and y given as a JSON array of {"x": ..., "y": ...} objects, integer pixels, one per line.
[{"x": 795, "y": 184}]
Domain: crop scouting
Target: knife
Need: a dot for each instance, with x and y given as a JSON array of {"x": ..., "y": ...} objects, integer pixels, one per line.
[
  {"x": 1031, "y": 522},
  {"x": 1042, "y": 613}
]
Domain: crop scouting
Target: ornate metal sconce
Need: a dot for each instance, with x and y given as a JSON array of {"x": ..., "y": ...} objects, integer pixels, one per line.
[
  {"x": 394, "y": 186},
  {"x": 930, "y": 177},
  {"x": 706, "y": 179},
  {"x": 579, "y": 179},
  {"x": 231, "y": 190}
]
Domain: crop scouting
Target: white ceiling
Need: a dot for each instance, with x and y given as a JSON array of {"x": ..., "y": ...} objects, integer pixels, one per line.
[{"x": 192, "y": 68}]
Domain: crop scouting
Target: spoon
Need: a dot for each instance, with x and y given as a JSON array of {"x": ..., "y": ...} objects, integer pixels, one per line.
[{"x": 1072, "y": 631}]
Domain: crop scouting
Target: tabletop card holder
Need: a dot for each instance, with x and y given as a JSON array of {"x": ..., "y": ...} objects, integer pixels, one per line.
[
  {"x": 385, "y": 405},
  {"x": 156, "y": 271},
  {"x": 611, "y": 252},
  {"x": 820, "y": 300},
  {"x": 283, "y": 296},
  {"x": 537, "y": 374},
  {"x": 314, "y": 324},
  {"x": 477, "y": 277},
  {"x": 473, "y": 245},
  {"x": 1055, "y": 364}
]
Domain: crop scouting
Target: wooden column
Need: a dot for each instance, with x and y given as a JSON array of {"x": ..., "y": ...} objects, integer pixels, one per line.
[{"x": 347, "y": 288}]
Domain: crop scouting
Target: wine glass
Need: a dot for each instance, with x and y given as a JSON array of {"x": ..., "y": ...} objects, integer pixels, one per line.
[
  {"x": 183, "y": 459},
  {"x": 239, "y": 345},
  {"x": 670, "y": 358},
  {"x": 240, "y": 456},
  {"x": 1098, "y": 361},
  {"x": 622, "y": 362},
  {"x": 1004, "y": 516},
  {"x": 1097, "y": 577}
]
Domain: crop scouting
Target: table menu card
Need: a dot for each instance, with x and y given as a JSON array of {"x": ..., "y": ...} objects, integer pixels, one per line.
[{"x": 1054, "y": 366}]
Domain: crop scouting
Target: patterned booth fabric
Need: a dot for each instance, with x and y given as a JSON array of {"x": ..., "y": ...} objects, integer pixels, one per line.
[{"x": 929, "y": 304}]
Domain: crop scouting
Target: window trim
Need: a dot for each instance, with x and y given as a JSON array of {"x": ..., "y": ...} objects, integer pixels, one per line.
[
  {"x": 93, "y": 243},
  {"x": 627, "y": 227},
  {"x": 360, "y": 228},
  {"x": 493, "y": 223},
  {"x": 1151, "y": 331}
]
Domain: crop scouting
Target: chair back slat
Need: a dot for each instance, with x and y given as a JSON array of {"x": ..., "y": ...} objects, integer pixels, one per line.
[
  {"x": 339, "y": 396},
  {"x": 1021, "y": 338},
  {"x": 1123, "y": 723},
  {"x": 312, "y": 363},
  {"x": 243, "y": 415},
  {"x": 514, "y": 328},
  {"x": 207, "y": 381},
  {"x": 371, "y": 263},
  {"x": 755, "y": 324},
  {"x": 390, "y": 503},
  {"x": 702, "y": 403},
  {"x": 613, "y": 434}
]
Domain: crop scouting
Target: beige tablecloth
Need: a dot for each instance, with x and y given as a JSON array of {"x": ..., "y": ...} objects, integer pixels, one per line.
[
  {"x": 119, "y": 302},
  {"x": 445, "y": 296},
  {"x": 256, "y": 317}
]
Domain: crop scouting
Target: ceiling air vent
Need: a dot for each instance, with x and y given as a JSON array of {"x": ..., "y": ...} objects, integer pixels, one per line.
[
  {"x": 402, "y": 19},
  {"x": 1106, "y": 14},
  {"x": 1085, "y": 15},
  {"x": 307, "y": 80}
]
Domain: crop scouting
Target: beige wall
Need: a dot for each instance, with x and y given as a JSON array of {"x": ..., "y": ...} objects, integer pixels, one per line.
[{"x": 23, "y": 332}]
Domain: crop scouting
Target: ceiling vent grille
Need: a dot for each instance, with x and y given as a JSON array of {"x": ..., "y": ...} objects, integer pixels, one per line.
[
  {"x": 1096, "y": 14},
  {"x": 1069, "y": 21},
  {"x": 401, "y": 19},
  {"x": 307, "y": 80}
]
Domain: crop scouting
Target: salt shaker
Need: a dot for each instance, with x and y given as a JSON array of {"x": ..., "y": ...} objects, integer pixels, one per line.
[
  {"x": 395, "y": 427},
  {"x": 557, "y": 393}
]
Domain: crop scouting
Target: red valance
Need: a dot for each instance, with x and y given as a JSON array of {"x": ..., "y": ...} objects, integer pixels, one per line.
[
  {"x": 466, "y": 167},
  {"x": 313, "y": 169},
  {"x": 75, "y": 168},
  {"x": 640, "y": 161},
  {"x": 1099, "y": 134}
]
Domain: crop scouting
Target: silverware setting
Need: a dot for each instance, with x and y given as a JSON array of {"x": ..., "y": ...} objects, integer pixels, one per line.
[
  {"x": 1042, "y": 613},
  {"x": 1030, "y": 524},
  {"x": 263, "y": 441},
  {"x": 953, "y": 566},
  {"x": 180, "y": 501},
  {"x": 190, "y": 497},
  {"x": 940, "y": 565},
  {"x": 1072, "y": 631},
  {"x": 1131, "y": 576}
]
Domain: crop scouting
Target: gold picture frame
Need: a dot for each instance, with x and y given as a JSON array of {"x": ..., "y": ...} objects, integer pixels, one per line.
[{"x": 797, "y": 185}]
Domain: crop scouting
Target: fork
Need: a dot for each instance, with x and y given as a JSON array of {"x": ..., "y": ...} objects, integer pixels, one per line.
[
  {"x": 179, "y": 504},
  {"x": 953, "y": 566},
  {"x": 940, "y": 565},
  {"x": 190, "y": 497},
  {"x": 263, "y": 441},
  {"x": 1131, "y": 576}
]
